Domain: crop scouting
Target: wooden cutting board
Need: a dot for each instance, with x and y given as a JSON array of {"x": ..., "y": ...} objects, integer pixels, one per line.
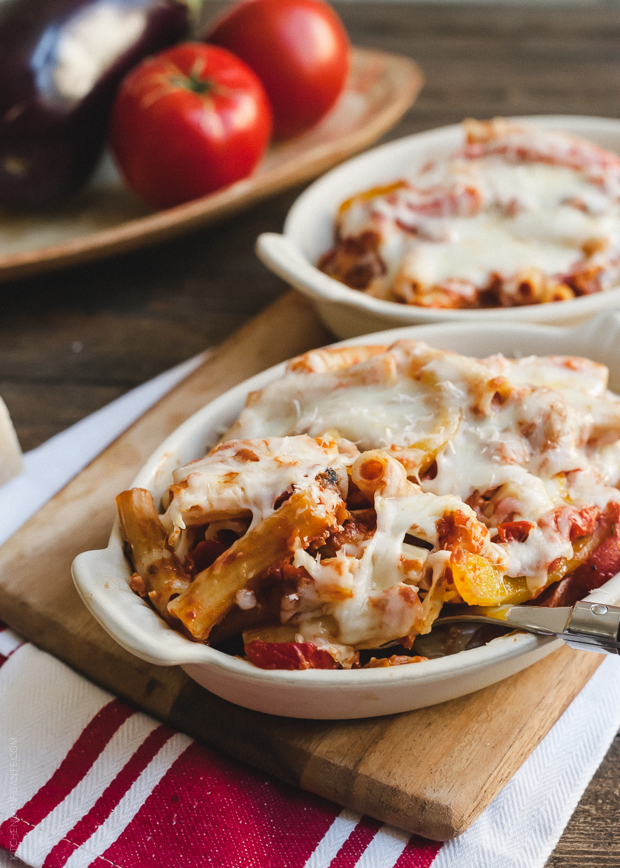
[{"x": 430, "y": 771}]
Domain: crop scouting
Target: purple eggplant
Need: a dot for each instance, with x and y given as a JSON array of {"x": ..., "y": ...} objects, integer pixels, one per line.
[{"x": 61, "y": 62}]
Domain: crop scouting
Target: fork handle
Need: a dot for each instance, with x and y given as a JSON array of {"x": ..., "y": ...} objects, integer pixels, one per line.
[{"x": 593, "y": 627}]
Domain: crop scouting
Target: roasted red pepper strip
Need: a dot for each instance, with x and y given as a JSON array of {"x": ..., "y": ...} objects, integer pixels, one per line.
[
  {"x": 584, "y": 521},
  {"x": 517, "y": 531},
  {"x": 289, "y": 655},
  {"x": 602, "y": 565}
]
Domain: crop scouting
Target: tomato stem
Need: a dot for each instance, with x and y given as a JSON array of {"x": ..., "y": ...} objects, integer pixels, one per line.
[{"x": 193, "y": 83}]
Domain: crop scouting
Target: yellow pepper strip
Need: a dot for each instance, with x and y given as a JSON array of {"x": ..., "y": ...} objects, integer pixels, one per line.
[
  {"x": 481, "y": 584},
  {"x": 373, "y": 193}
]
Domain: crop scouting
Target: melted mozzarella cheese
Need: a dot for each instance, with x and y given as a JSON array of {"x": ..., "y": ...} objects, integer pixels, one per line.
[
  {"x": 377, "y": 407},
  {"x": 383, "y": 603},
  {"x": 529, "y": 453},
  {"x": 524, "y": 222},
  {"x": 449, "y": 451},
  {"x": 475, "y": 216},
  {"x": 248, "y": 476}
]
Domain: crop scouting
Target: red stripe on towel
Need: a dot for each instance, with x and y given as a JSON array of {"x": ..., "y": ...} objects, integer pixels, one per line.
[
  {"x": 350, "y": 852},
  {"x": 419, "y": 853},
  {"x": 69, "y": 773},
  {"x": 211, "y": 811},
  {"x": 110, "y": 797}
]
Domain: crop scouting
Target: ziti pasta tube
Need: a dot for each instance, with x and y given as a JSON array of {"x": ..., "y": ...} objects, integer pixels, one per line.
[
  {"x": 156, "y": 564},
  {"x": 300, "y": 520}
]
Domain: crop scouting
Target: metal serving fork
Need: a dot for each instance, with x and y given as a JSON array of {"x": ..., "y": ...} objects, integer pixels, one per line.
[{"x": 588, "y": 625}]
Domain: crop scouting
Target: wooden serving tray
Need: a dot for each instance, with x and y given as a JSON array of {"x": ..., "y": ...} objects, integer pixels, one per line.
[
  {"x": 430, "y": 771},
  {"x": 107, "y": 218}
]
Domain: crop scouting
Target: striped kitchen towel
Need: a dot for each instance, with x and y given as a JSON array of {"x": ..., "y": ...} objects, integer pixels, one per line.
[{"x": 89, "y": 781}]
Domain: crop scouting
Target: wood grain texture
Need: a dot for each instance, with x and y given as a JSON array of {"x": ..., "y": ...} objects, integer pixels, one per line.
[
  {"x": 50, "y": 612},
  {"x": 430, "y": 771},
  {"x": 73, "y": 340}
]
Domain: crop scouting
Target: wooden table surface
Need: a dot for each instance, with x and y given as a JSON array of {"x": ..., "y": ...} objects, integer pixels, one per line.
[{"x": 72, "y": 341}]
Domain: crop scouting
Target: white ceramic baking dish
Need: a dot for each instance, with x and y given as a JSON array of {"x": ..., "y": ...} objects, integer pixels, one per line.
[
  {"x": 102, "y": 577},
  {"x": 308, "y": 233}
]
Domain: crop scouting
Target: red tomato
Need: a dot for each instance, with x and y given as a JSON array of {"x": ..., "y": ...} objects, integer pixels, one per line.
[
  {"x": 189, "y": 121},
  {"x": 298, "y": 48}
]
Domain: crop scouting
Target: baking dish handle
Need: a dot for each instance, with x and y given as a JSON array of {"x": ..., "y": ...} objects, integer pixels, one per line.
[{"x": 285, "y": 259}]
